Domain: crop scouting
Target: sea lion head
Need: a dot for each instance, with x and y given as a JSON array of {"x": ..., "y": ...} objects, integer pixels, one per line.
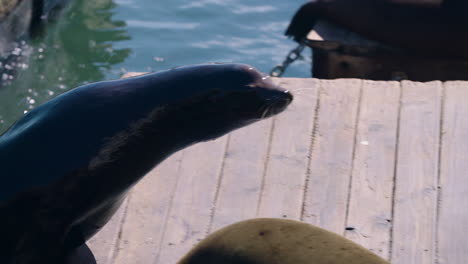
[
  {"x": 163, "y": 112},
  {"x": 198, "y": 102},
  {"x": 223, "y": 97},
  {"x": 137, "y": 122}
]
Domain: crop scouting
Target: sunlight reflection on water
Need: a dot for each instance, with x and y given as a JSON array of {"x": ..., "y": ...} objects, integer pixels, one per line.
[{"x": 102, "y": 39}]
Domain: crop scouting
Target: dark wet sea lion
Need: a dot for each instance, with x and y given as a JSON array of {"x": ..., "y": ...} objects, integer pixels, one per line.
[
  {"x": 277, "y": 241},
  {"x": 429, "y": 30},
  {"x": 68, "y": 164}
]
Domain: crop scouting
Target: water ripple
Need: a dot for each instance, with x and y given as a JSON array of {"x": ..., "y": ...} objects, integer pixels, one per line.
[
  {"x": 125, "y": 2},
  {"x": 161, "y": 25},
  {"x": 236, "y": 43},
  {"x": 271, "y": 27},
  {"x": 203, "y": 3},
  {"x": 243, "y": 9}
]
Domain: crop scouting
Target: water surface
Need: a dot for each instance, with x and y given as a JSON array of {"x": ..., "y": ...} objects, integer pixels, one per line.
[{"x": 102, "y": 39}]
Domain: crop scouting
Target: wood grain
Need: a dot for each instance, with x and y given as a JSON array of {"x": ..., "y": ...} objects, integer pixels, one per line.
[
  {"x": 370, "y": 206},
  {"x": 104, "y": 244},
  {"x": 286, "y": 172},
  {"x": 242, "y": 174},
  {"x": 332, "y": 154},
  {"x": 193, "y": 200},
  {"x": 453, "y": 218},
  {"x": 148, "y": 209},
  {"x": 415, "y": 205}
]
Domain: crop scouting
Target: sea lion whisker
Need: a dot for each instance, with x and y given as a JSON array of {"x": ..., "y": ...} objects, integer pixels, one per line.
[
  {"x": 265, "y": 112},
  {"x": 267, "y": 107}
]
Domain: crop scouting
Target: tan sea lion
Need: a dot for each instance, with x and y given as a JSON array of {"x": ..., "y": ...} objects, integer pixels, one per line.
[{"x": 278, "y": 241}]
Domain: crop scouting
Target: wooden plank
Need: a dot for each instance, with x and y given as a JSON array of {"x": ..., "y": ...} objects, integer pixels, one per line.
[
  {"x": 194, "y": 198},
  {"x": 241, "y": 179},
  {"x": 415, "y": 202},
  {"x": 284, "y": 181},
  {"x": 370, "y": 206},
  {"x": 104, "y": 243},
  {"x": 453, "y": 217},
  {"x": 148, "y": 209},
  {"x": 332, "y": 153}
]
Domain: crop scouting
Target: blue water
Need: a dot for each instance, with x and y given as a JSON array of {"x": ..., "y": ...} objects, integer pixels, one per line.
[{"x": 102, "y": 39}]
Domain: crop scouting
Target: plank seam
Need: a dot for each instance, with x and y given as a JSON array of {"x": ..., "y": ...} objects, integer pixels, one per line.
[
  {"x": 311, "y": 147},
  {"x": 265, "y": 165},
  {"x": 171, "y": 202},
  {"x": 353, "y": 156},
  {"x": 115, "y": 250},
  {"x": 439, "y": 179},
  {"x": 218, "y": 186},
  {"x": 395, "y": 172}
]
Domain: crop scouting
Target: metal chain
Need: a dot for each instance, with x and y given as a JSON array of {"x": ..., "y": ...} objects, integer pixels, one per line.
[{"x": 292, "y": 56}]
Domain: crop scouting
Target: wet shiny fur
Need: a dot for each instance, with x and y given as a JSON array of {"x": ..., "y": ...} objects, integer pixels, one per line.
[{"x": 68, "y": 164}]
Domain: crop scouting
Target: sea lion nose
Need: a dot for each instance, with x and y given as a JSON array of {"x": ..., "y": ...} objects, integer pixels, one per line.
[
  {"x": 281, "y": 100},
  {"x": 288, "y": 97},
  {"x": 271, "y": 91},
  {"x": 275, "y": 97},
  {"x": 267, "y": 91}
]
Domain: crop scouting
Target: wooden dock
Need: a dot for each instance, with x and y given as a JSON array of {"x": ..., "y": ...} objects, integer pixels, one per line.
[{"x": 386, "y": 160}]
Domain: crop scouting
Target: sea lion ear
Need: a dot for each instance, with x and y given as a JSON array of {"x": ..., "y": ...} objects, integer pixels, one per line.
[{"x": 81, "y": 255}]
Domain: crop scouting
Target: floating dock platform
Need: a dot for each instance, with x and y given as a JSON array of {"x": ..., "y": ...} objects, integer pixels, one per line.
[{"x": 384, "y": 164}]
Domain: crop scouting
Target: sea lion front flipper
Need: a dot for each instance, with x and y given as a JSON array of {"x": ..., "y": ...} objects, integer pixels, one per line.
[{"x": 81, "y": 255}]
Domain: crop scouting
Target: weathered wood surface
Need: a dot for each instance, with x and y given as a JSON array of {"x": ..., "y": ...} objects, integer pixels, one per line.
[
  {"x": 288, "y": 162},
  {"x": 370, "y": 203},
  {"x": 453, "y": 198},
  {"x": 415, "y": 201},
  {"x": 382, "y": 163},
  {"x": 327, "y": 187}
]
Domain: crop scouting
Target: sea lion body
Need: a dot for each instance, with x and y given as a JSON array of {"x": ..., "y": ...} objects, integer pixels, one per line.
[
  {"x": 69, "y": 163},
  {"x": 429, "y": 30},
  {"x": 277, "y": 241}
]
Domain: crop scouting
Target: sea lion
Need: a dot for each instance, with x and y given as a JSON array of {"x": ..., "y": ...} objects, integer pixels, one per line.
[
  {"x": 68, "y": 164},
  {"x": 423, "y": 29},
  {"x": 278, "y": 241}
]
